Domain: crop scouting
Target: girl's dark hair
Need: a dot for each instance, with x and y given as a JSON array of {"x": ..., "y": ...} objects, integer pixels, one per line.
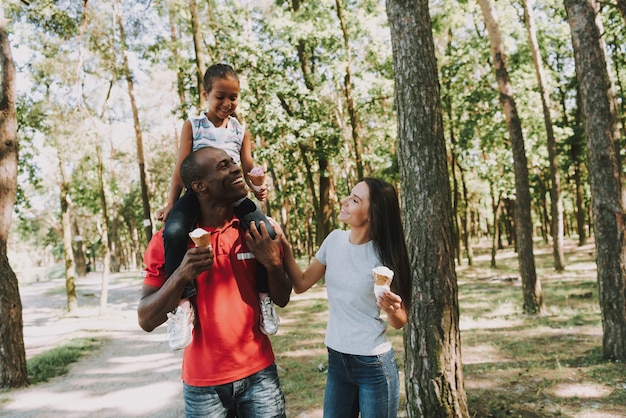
[
  {"x": 217, "y": 71},
  {"x": 388, "y": 235}
]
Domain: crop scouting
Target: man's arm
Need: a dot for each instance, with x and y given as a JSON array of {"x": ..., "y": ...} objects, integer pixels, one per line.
[
  {"x": 268, "y": 252},
  {"x": 156, "y": 302}
]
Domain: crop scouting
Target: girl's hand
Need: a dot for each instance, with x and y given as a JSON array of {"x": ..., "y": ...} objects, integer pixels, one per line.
[
  {"x": 163, "y": 213},
  {"x": 261, "y": 194}
]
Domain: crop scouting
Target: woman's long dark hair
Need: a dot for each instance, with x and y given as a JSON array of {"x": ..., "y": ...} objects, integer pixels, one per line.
[{"x": 388, "y": 235}]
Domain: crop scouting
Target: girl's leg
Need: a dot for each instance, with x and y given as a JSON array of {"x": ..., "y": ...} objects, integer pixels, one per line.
[
  {"x": 247, "y": 211},
  {"x": 181, "y": 220}
]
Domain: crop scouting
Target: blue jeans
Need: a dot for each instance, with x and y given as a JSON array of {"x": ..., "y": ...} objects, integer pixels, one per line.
[
  {"x": 256, "y": 396},
  {"x": 366, "y": 384}
]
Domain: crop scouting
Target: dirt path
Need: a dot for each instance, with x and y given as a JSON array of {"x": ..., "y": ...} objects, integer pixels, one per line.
[{"x": 133, "y": 373}]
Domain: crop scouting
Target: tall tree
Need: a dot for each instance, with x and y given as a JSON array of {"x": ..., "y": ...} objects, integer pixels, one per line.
[
  {"x": 432, "y": 339},
  {"x": 556, "y": 203},
  {"x": 599, "y": 108},
  {"x": 12, "y": 354},
  {"x": 66, "y": 224},
  {"x": 348, "y": 91},
  {"x": 106, "y": 265},
  {"x": 305, "y": 53},
  {"x": 196, "y": 33},
  {"x": 533, "y": 298},
  {"x": 145, "y": 191}
]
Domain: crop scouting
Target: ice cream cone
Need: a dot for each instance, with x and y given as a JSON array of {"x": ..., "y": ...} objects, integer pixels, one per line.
[
  {"x": 383, "y": 276},
  {"x": 257, "y": 178},
  {"x": 200, "y": 237}
]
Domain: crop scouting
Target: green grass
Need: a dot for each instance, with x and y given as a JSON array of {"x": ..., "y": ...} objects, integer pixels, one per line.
[
  {"x": 55, "y": 362},
  {"x": 514, "y": 365},
  {"x": 552, "y": 365}
]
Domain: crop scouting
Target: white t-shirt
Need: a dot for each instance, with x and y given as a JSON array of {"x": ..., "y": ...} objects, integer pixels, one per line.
[{"x": 354, "y": 322}]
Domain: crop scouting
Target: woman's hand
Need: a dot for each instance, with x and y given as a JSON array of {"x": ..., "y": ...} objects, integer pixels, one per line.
[
  {"x": 394, "y": 308},
  {"x": 389, "y": 302}
]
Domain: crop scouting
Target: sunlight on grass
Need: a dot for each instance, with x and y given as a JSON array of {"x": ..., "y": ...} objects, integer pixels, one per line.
[
  {"x": 537, "y": 366},
  {"x": 55, "y": 362},
  {"x": 514, "y": 365}
]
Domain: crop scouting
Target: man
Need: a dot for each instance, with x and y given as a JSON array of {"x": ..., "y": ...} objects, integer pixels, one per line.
[{"x": 228, "y": 369}]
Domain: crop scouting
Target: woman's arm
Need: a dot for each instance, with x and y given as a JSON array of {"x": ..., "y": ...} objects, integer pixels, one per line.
[{"x": 301, "y": 281}]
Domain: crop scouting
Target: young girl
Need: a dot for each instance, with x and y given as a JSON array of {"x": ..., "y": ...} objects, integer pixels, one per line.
[
  {"x": 219, "y": 128},
  {"x": 362, "y": 369}
]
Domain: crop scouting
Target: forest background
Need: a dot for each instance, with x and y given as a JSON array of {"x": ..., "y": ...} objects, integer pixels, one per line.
[
  {"x": 90, "y": 101},
  {"x": 103, "y": 89}
]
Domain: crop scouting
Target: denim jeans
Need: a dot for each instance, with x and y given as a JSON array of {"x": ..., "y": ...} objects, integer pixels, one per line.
[
  {"x": 256, "y": 396},
  {"x": 366, "y": 384}
]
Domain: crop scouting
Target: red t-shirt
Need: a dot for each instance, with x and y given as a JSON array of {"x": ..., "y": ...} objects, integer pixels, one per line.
[{"x": 227, "y": 343}]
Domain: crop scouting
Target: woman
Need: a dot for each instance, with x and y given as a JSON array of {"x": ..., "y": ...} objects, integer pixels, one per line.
[{"x": 362, "y": 369}]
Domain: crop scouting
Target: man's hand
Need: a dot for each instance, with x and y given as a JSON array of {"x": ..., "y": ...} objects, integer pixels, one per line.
[
  {"x": 268, "y": 252},
  {"x": 156, "y": 302},
  {"x": 196, "y": 261},
  {"x": 265, "y": 249}
]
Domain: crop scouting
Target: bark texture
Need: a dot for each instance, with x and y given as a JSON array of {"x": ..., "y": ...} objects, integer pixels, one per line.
[
  {"x": 556, "y": 203},
  {"x": 12, "y": 354},
  {"x": 434, "y": 376},
  {"x": 599, "y": 108},
  {"x": 533, "y": 299}
]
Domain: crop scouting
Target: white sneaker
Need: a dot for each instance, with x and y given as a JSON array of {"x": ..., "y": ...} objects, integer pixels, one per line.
[
  {"x": 269, "y": 318},
  {"x": 180, "y": 326}
]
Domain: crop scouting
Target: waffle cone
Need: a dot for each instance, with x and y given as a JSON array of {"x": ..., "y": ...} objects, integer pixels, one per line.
[
  {"x": 382, "y": 276},
  {"x": 257, "y": 181},
  {"x": 200, "y": 237}
]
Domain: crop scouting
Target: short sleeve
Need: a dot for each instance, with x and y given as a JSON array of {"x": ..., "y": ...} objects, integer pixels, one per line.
[
  {"x": 154, "y": 261},
  {"x": 321, "y": 253}
]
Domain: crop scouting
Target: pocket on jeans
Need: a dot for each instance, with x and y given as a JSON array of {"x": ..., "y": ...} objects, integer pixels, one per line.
[{"x": 373, "y": 361}]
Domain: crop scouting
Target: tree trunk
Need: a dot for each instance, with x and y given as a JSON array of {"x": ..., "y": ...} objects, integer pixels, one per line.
[
  {"x": 104, "y": 282},
  {"x": 13, "y": 372},
  {"x": 509, "y": 222},
  {"x": 467, "y": 228},
  {"x": 576, "y": 156},
  {"x": 79, "y": 254},
  {"x": 432, "y": 339},
  {"x": 456, "y": 197},
  {"x": 323, "y": 211},
  {"x": 355, "y": 122},
  {"x": 197, "y": 46},
  {"x": 495, "y": 208},
  {"x": 456, "y": 215},
  {"x": 180, "y": 74},
  {"x": 599, "y": 107},
  {"x": 533, "y": 299},
  {"x": 580, "y": 205},
  {"x": 145, "y": 194},
  {"x": 556, "y": 203},
  {"x": 66, "y": 225}
]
